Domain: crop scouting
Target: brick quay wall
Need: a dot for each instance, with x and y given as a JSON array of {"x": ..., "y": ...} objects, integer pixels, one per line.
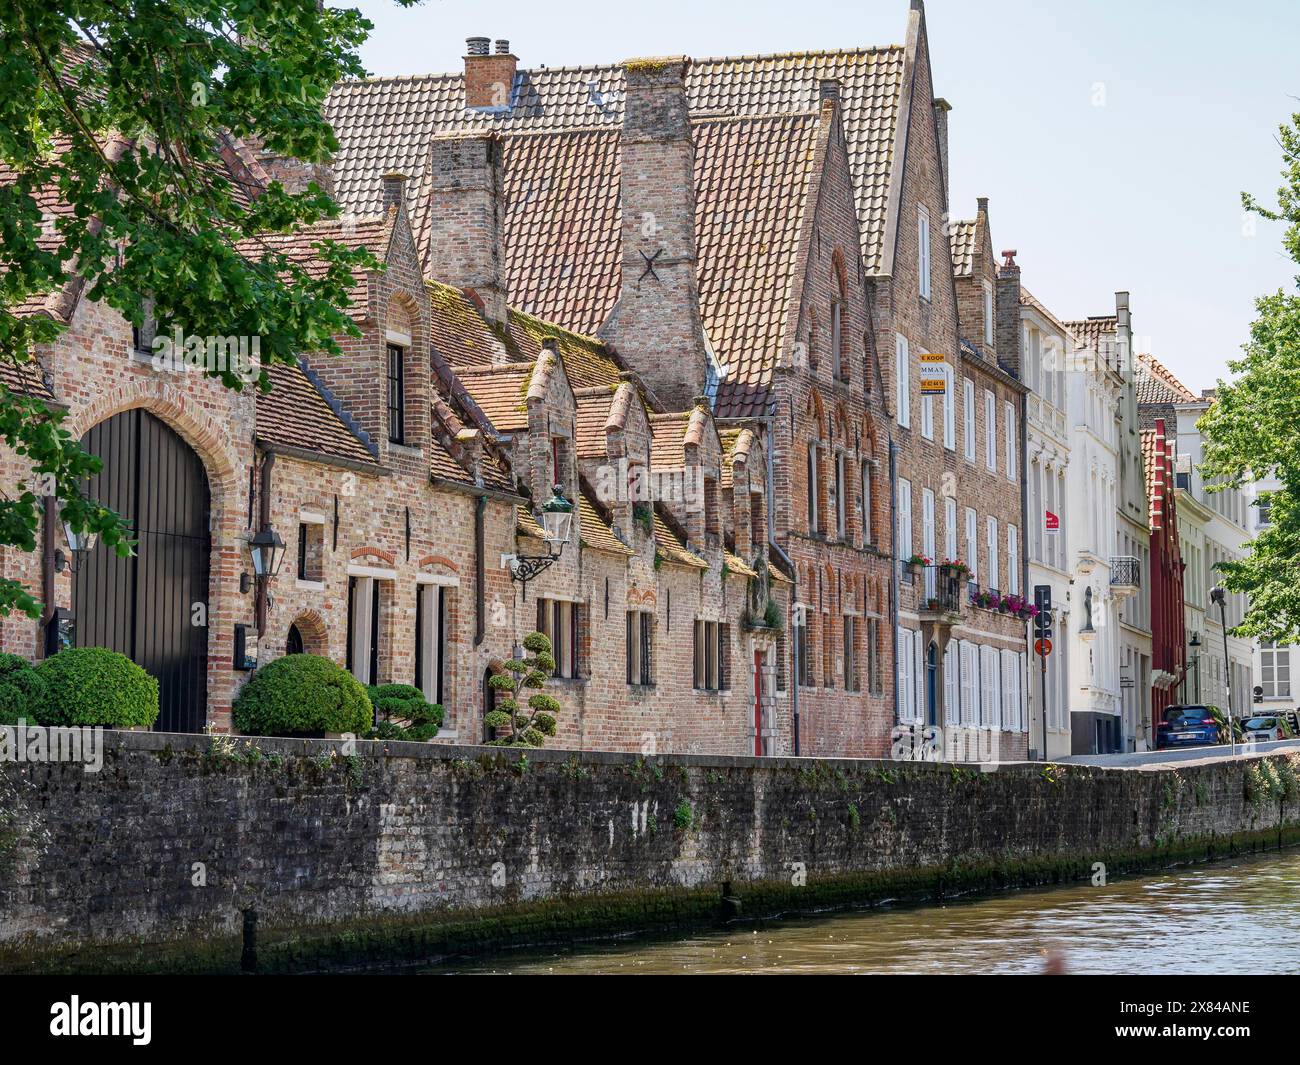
[{"x": 182, "y": 854}]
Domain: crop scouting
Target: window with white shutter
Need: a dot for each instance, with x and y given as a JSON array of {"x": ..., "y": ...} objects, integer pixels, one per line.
[
  {"x": 990, "y": 430},
  {"x": 949, "y": 409},
  {"x": 1009, "y": 417},
  {"x": 923, "y": 249},
  {"x": 990, "y": 702},
  {"x": 970, "y": 683},
  {"x": 904, "y": 520},
  {"x": 968, "y": 415},
  {"x": 951, "y": 678},
  {"x": 906, "y": 697},
  {"x": 950, "y": 527},
  {"x": 992, "y": 575},
  {"x": 988, "y": 313},
  {"x": 972, "y": 543},
  {"x": 902, "y": 380},
  {"x": 927, "y": 540},
  {"x": 1013, "y": 561}
]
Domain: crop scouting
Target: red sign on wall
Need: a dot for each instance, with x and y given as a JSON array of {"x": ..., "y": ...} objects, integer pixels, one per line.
[{"x": 1051, "y": 522}]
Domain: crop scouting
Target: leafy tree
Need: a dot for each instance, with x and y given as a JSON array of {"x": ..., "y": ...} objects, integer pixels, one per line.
[
  {"x": 120, "y": 112},
  {"x": 1251, "y": 429},
  {"x": 529, "y": 723}
]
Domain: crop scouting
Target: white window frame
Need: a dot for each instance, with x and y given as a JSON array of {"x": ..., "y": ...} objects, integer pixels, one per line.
[
  {"x": 903, "y": 380},
  {"x": 923, "y": 267},
  {"x": 1013, "y": 560},
  {"x": 951, "y": 679},
  {"x": 928, "y": 539},
  {"x": 990, "y": 430},
  {"x": 992, "y": 526},
  {"x": 927, "y": 416},
  {"x": 991, "y": 691},
  {"x": 970, "y": 684},
  {"x": 968, "y": 416},
  {"x": 949, "y": 409},
  {"x": 904, "y": 519},
  {"x": 1009, "y": 417},
  {"x": 988, "y": 313},
  {"x": 972, "y": 542},
  {"x": 950, "y": 527},
  {"x": 906, "y": 686}
]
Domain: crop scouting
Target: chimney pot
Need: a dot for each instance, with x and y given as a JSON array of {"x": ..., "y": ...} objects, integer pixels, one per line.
[
  {"x": 982, "y": 204},
  {"x": 476, "y": 45},
  {"x": 1008, "y": 258},
  {"x": 503, "y": 46},
  {"x": 829, "y": 89}
]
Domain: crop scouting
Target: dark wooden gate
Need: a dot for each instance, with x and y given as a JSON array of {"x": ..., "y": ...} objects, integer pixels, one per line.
[{"x": 151, "y": 607}]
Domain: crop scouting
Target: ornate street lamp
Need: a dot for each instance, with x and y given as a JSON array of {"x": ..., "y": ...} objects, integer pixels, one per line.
[
  {"x": 266, "y": 551},
  {"x": 1195, "y": 645},
  {"x": 1219, "y": 596},
  {"x": 557, "y": 524},
  {"x": 79, "y": 544}
]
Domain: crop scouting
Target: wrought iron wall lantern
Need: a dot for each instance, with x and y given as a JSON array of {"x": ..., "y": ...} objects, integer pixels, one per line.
[
  {"x": 266, "y": 552},
  {"x": 79, "y": 546},
  {"x": 557, "y": 524}
]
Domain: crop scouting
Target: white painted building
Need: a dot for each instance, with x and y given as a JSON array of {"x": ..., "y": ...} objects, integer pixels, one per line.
[
  {"x": 1045, "y": 342},
  {"x": 1275, "y": 666},
  {"x": 1095, "y": 391}
]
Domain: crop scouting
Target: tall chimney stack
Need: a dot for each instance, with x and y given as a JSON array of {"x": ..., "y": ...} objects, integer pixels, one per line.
[
  {"x": 465, "y": 246},
  {"x": 489, "y": 79},
  {"x": 1007, "y": 299},
  {"x": 941, "y": 109},
  {"x": 657, "y": 328}
]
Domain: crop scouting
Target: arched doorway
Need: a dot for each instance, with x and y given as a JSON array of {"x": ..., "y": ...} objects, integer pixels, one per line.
[{"x": 153, "y": 606}]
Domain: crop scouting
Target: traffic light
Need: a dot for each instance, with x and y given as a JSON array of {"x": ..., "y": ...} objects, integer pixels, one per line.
[{"x": 1043, "y": 619}]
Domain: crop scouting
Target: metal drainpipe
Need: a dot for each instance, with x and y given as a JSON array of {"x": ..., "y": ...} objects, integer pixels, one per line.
[
  {"x": 794, "y": 594},
  {"x": 894, "y": 591},
  {"x": 48, "y": 537},
  {"x": 479, "y": 575}
]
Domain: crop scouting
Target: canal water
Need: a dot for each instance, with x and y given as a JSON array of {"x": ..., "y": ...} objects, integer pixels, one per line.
[{"x": 1234, "y": 917}]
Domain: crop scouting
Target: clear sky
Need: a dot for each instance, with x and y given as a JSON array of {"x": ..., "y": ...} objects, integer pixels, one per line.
[{"x": 1113, "y": 138}]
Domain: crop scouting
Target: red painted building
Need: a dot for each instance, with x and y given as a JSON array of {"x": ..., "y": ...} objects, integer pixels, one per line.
[{"x": 1168, "y": 640}]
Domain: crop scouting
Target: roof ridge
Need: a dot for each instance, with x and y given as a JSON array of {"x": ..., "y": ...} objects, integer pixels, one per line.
[{"x": 812, "y": 53}]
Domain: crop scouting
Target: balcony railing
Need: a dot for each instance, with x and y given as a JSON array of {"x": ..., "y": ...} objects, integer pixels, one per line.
[
  {"x": 1125, "y": 572},
  {"x": 947, "y": 594}
]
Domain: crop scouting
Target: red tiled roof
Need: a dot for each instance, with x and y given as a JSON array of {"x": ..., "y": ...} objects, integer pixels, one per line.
[
  {"x": 297, "y": 413},
  {"x": 962, "y": 238},
  {"x": 499, "y": 392},
  {"x": 751, "y": 184},
  {"x": 387, "y": 124}
]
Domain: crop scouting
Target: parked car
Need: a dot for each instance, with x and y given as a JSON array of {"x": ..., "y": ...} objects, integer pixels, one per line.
[
  {"x": 1187, "y": 726},
  {"x": 1264, "y": 727}
]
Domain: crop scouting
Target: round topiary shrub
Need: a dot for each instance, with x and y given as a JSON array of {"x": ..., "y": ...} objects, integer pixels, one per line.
[
  {"x": 300, "y": 694},
  {"x": 403, "y": 713},
  {"x": 23, "y": 692},
  {"x": 96, "y": 686}
]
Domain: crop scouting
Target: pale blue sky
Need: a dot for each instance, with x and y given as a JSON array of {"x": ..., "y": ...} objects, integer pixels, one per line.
[{"x": 1141, "y": 192}]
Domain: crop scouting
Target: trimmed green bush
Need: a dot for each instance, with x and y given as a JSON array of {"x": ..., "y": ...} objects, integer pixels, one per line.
[
  {"x": 23, "y": 692},
  {"x": 303, "y": 693},
  {"x": 402, "y": 713},
  {"x": 96, "y": 686}
]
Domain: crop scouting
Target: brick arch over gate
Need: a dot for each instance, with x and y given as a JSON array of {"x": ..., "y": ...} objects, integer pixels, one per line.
[{"x": 226, "y": 461}]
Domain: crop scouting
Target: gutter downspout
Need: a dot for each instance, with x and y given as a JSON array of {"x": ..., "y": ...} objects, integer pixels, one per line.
[
  {"x": 794, "y": 591},
  {"x": 479, "y": 575},
  {"x": 894, "y": 590},
  {"x": 47, "y": 573}
]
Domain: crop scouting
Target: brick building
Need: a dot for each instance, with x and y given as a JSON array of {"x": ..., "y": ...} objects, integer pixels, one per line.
[{"x": 1168, "y": 635}]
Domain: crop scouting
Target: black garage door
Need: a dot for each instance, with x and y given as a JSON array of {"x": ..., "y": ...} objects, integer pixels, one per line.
[{"x": 152, "y": 607}]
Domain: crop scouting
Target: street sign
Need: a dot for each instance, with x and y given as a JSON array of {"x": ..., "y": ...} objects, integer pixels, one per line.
[
  {"x": 1043, "y": 647},
  {"x": 1051, "y": 522}
]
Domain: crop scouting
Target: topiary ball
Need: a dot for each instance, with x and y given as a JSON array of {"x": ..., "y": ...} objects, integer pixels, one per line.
[
  {"x": 96, "y": 686},
  {"x": 301, "y": 694}
]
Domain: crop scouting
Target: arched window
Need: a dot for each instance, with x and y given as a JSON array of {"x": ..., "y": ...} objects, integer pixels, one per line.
[{"x": 293, "y": 644}]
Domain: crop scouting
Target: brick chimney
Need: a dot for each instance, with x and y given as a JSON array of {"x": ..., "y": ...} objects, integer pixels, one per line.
[
  {"x": 657, "y": 327},
  {"x": 941, "y": 109},
  {"x": 393, "y": 185},
  {"x": 489, "y": 78},
  {"x": 1007, "y": 299},
  {"x": 1123, "y": 334},
  {"x": 465, "y": 246}
]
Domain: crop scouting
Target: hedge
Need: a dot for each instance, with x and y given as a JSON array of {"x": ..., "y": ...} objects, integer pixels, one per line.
[
  {"x": 96, "y": 686},
  {"x": 23, "y": 692},
  {"x": 300, "y": 694}
]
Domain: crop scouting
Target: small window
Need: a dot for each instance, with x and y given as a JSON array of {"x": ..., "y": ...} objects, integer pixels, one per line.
[
  {"x": 990, "y": 430},
  {"x": 968, "y": 412},
  {"x": 1009, "y": 418},
  {"x": 838, "y": 363},
  {"x": 814, "y": 489},
  {"x": 902, "y": 381},
  {"x": 640, "y": 644},
  {"x": 988, "y": 314},
  {"x": 311, "y": 551},
  {"x": 558, "y": 620},
  {"x": 396, "y": 394},
  {"x": 712, "y": 642}
]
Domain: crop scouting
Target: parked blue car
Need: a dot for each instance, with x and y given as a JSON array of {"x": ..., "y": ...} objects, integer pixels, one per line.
[{"x": 1187, "y": 726}]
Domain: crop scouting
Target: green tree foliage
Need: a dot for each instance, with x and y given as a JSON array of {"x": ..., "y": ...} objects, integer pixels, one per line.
[
  {"x": 1253, "y": 427},
  {"x": 530, "y": 721},
  {"x": 120, "y": 113}
]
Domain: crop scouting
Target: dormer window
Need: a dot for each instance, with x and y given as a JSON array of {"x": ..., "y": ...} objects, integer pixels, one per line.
[{"x": 396, "y": 394}]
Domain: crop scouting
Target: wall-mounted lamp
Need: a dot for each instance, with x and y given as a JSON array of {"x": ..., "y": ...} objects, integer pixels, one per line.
[
  {"x": 79, "y": 545},
  {"x": 557, "y": 525},
  {"x": 266, "y": 552}
]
